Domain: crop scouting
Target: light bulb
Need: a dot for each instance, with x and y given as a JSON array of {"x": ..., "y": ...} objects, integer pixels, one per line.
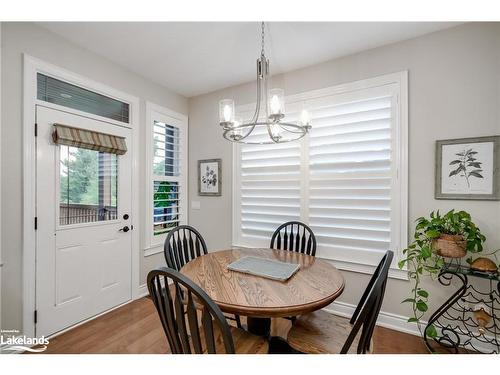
[
  {"x": 228, "y": 113},
  {"x": 305, "y": 117},
  {"x": 275, "y": 105},
  {"x": 276, "y": 102}
]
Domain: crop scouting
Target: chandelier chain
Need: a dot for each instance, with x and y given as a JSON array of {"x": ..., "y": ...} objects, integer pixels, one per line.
[{"x": 262, "y": 36}]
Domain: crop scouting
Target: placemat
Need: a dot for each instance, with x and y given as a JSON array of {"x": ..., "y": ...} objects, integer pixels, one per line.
[{"x": 271, "y": 269}]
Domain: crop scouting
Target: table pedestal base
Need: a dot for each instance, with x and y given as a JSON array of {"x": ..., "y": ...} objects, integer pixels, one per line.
[
  {"x": 278, "y": 345},
  {"x": 259, "y": 326},
  {"x": 262, "y": 327}
]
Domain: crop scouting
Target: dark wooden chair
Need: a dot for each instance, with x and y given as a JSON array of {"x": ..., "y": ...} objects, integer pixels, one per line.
[
  {"x": 294, "y": 236},
  {"x": 184, "y": 243},
  {"x": 196, "y": 329},
  {"x": 323, "y": 333}
]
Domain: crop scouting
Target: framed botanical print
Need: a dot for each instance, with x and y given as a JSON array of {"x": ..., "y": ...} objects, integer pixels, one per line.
[
  {"x": 209, "y": 177},
  {"x": 468, "y": 168}
]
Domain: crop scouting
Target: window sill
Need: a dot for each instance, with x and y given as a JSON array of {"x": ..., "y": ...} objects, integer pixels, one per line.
[{"x": 394, "y": 273}]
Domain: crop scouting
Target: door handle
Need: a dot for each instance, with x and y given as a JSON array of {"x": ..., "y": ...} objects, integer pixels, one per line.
[{"x": 124, "y": 229}]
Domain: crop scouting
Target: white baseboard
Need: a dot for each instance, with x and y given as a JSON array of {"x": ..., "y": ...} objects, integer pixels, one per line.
[
  {"x": 142, "y": 291},
  {"x": 385, "y": 319}
]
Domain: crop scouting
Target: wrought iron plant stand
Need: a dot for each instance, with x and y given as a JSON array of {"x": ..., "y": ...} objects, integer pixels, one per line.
[{"x": 470, "y": 318}]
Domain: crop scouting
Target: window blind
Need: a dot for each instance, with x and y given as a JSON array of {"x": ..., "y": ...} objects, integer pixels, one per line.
[
  {"x": 166, "y": 212},
  {"x": 87, "y": 139},
  {"x": 270, "y": 187},
  {"x": 166, "y": 171},
  {"x": 65, "y": 94},
  {"x": 350, "y": 175},
  {"x": 166, "y": 149}
]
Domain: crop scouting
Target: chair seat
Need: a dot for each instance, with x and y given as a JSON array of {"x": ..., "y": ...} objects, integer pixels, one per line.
[
  {"x": 321, "y": 333},
  {"x": 244, "y": 342}
]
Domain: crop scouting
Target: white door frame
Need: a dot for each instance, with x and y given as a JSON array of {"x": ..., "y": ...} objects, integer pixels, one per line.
[{"x": 32, "y": 66}]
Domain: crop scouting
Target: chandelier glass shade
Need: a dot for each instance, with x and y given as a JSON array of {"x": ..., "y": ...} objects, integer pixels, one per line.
[{"x": 269, "y": 113}]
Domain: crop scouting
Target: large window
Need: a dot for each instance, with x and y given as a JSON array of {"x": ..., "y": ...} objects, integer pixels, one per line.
[
  {"x": 167, "y": 185},
  {"x": 346, "y": 180}
]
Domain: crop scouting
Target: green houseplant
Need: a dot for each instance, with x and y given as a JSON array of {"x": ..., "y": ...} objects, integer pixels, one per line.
[{"x": 425, "y": 255}]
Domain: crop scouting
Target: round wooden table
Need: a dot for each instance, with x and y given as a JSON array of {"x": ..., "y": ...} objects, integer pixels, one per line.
[{"x": 317, "y": 283}]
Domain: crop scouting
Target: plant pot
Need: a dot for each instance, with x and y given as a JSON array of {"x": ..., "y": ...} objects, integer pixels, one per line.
[{"x": 450, "y": 246}]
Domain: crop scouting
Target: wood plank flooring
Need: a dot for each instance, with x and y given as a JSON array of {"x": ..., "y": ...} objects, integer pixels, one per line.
[{"x": 135, "y": 328}]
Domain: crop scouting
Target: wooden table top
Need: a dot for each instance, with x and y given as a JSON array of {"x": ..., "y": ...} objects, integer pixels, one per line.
[{"x": 314, "y": 286}]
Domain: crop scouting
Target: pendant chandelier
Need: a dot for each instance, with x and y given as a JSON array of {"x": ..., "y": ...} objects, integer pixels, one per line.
[{"x": 273, "y": 100}]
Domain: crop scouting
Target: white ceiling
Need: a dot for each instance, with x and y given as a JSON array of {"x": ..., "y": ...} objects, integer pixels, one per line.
[{"x": 193, "y": 58}]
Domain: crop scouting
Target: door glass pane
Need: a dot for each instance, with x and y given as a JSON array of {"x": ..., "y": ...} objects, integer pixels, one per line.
[{"x": 88, "y": 185}]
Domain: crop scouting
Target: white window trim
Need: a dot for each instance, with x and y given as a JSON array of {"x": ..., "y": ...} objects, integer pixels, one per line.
[
  {"x": 154, "y": 245},
  {"x": 32, "y": 66},
  {"x": 399, "y": 225}
]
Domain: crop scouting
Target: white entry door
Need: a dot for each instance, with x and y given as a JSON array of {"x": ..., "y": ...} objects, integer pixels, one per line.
[{"x": 84, "y": 243}]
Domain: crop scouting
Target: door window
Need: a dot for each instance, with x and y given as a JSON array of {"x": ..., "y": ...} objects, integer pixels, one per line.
[{"x": 88, "y": 185}]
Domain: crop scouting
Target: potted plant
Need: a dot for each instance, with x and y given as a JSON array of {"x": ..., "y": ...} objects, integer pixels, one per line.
[{"x": 441, "y": 236}]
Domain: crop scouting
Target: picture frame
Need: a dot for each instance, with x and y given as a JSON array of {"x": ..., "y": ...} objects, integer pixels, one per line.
[
  {"x": 468, "y": 168},
  {"x": 209, "y": 177}
]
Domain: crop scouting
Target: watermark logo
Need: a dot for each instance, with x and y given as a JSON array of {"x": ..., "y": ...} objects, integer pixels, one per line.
[{"x": 11, "y": 341}]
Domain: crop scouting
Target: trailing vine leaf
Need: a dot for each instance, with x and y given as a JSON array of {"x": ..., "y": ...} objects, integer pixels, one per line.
[
  {"x": 422, "y": 306},
  {"x": 421, "y": 260},
  {"x": 423, "y": 293},
  {"x": 432, "y": 233},
  {"x": 431, "y": 331}
]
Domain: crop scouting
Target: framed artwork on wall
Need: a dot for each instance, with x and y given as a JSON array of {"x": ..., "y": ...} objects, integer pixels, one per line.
[
  {"x": 468, "y": 168},
  {"x": 209, "y": 177}
]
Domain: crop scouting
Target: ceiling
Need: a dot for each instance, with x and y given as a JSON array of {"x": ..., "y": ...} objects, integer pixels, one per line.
[{"x": 192, "y": 58}]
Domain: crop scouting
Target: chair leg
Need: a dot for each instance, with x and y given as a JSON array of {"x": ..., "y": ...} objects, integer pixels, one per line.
[{"x": 238, "y": 321}]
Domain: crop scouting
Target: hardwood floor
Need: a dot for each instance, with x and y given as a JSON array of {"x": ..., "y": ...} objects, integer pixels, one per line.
[{"x": 135, "y": 328}]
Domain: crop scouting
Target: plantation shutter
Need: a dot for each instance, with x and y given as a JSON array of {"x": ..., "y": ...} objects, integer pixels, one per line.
[
  {"x": 350, "y": 175},
  {"x": 270, "y": 188},
  {"x": 167, "y": 161}
]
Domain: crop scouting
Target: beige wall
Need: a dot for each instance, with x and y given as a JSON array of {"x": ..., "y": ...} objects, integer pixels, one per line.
[
  {"x": 454, "y": 82},
  {"x": 19, "y": 38}
]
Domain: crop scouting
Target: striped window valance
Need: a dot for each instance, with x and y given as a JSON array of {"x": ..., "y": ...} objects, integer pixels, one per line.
[{"x": 88, "y": 139}]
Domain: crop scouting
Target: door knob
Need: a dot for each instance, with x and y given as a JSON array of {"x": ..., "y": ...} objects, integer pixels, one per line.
[{"x": 124, "y": 229}]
